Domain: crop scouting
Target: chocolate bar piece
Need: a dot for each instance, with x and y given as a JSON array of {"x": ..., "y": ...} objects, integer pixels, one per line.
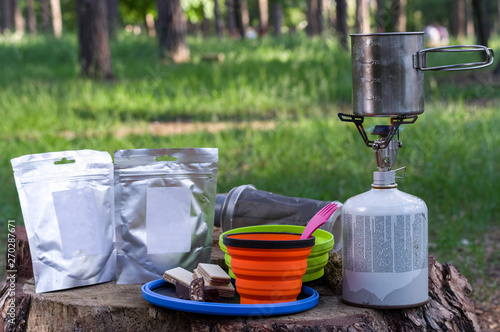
[
  {"x": 211, "y": 294},
  {"x": 197, "y": 290},
  {"x": 182, "y": 291}
]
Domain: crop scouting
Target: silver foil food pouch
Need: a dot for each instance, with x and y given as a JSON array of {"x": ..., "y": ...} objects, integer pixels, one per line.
[
  {"x": 67, "y": 201},
  {"x": 164, "y": 210}
]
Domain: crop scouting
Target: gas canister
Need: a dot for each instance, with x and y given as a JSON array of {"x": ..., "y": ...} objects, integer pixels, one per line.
[{"x": 384, "y": 250}]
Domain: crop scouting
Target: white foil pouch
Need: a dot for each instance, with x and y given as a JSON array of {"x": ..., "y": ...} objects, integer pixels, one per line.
[
  {"x": 164, "y": 210},
  {"x": 67, "y": 202}
]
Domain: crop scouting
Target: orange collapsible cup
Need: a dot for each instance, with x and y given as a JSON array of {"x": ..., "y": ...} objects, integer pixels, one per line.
[{"x": 268, "y": 266}]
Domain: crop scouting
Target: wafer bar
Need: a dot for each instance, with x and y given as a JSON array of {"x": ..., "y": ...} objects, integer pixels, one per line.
[
  {"x": 178, "y": 274},
  {"x": 193, "y": 292},
  {"x": 214, "y": 274},
  {"x": 224, "y": 290}
]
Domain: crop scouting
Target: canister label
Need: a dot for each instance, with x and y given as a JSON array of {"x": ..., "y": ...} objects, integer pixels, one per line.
[{"x": 385, "y": 244}]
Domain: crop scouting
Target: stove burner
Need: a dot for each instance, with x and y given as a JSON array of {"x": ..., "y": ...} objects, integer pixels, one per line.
[
  {"x": 385, "y": 148},
  {"x": 381, "y": 130}
]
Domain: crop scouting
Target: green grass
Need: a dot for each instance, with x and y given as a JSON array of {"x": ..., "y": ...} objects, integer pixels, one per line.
[{"x": 451, "y": 152}]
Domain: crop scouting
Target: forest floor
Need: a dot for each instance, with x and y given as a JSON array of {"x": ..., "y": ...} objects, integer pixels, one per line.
[{"x": 486, "y": 290}]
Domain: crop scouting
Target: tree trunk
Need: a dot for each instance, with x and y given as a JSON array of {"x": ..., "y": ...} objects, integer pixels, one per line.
[
  {"x": 12, "y": 296},
  {"x": 276, "y": 17},
  {"x": 245, "y": 16},
  {"x": 469, "y": 19},
  {"x": 31, "y": 17},
  {"x": 55, "y": 7},
  {"x": 342, "y": 22},
  {"x": 457, "y": 28},
  {"x": 18, "y": 18},
  {"x": 6, "y": 16},
  {"x": 45, "y": 14},
  {"x": 11, "y": 18},
  {"x": 150, "y": 25},
  {"x": 205, "y": 23},
  {"x": 263, "y": 17},
  {"x": 95, "y": 57},
  {"x": 330, "y": 15},
  {"x": 231, "y": 17},
  {"x": 480, "y": 10},
  {"x": 172, "y": 31},
  {"x": 239, "y": 14},
  {"x": 362, "y": 16},
  {"x": 112, "y": 17},
  {"x": 381, "y": 17},
  {"x": 219, "y": 26},
  {"x": 399, "y": 15},
  {"x": 498, "y": 16},
  {"x": 314, "y": 17}
]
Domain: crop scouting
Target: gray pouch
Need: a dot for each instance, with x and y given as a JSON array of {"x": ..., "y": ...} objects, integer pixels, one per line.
[
  {"x": 164, "y": 210},
  {"x": 68, "y": 212}
]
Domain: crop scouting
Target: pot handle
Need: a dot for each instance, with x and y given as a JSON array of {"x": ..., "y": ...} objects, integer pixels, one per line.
[{"x": 420, "y": 58}]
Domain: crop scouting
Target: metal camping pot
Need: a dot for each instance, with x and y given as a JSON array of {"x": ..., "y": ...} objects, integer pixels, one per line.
[{"x": 388, "y": 71}]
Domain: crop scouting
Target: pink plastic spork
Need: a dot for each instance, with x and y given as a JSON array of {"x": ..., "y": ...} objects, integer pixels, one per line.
[{"x": 319, "y": 219}]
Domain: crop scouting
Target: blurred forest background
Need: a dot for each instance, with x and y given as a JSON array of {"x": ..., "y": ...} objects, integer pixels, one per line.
[{"x": 172, "y": 20}]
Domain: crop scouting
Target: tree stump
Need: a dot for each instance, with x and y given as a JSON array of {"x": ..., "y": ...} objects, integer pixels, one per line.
[
  {"x": 14, "y": 302},
  {"x": 110, "y": 307}
]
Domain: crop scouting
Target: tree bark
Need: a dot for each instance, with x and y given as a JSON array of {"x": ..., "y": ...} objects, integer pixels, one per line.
[
  {"x": 55, "y": 7},
  {"x": 19, "y": 22},
  {"x": 314, "y": 18},
  {"x": 380, "y": 16},
  {"x": 6, "y": 16},
  {"x": 13, "y": 300},
  {"x": 46, "y": 24},
  {"x": 276, "y": 17},
  {"x": 469, "y": 19},
  {"x": 399, "y": 15},
  {"x": 245, "y": 16},
  {"x": 498, "y": 16},
  {"x": 362, "y": 16},
  {"x": 94, "y": 56},
  {"x": 231, "y": 17},
  {"x": 112, "y": 17},
  {"x": 263, "y": 17},
  {"x": 330, "y": 15},
  {"x": 342, "y": 22},
  {"x": 461, "y": 21},
  {"x": 205, "y": 23},
  {"x": 31, "y": 17},
  {"x": 172, "y": 31},
  {"x": 239, "y": 14},
  {"x": 219, "y": 26},
  {"x": 11, "y": 18},
  {"x": 150, "y": 25},
  {"x": 457, "y": 28},
  {"x": 450, "y": 294},
  {"x": 480, "y": 10}
]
